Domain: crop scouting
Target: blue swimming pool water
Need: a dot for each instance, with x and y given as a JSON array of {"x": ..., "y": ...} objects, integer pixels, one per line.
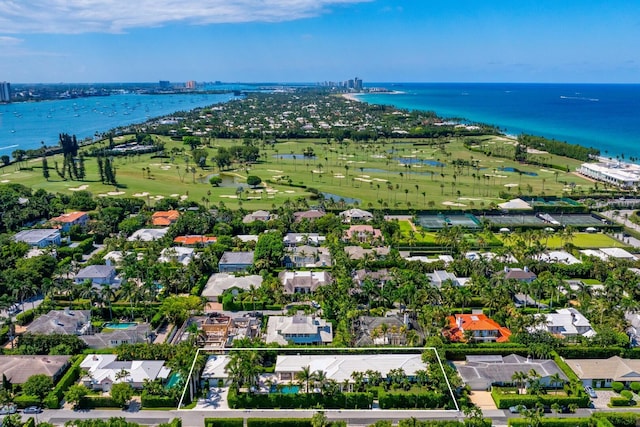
[
  {"x": 125, "y": 325},
  {"x": 287, "y": 389}
]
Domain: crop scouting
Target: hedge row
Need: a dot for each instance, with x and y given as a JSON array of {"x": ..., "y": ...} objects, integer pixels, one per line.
[
  {"x": 152, "y": 401},
  {"x": 427, "y": 400},
  {"x": 571, "y": 376},
  {"x": 23, "y": 401},
  {"x": 552, "y": 422},
  {"x": 620, "y": 401},
  {"x": 25, "y": 317},
  {"x": 91, "y": 402},
  {"x": 504, "y": 401},
  {"x": 583, "y": 352},
  {"x": 52, "y": 401},
  {"x": 460, "y": 353},
  {"x": 279, "y": 422},
  {"x": 223, "y": 422},
  {"x": 299, "y": 400},
  {"x": 618, "y": 419}
]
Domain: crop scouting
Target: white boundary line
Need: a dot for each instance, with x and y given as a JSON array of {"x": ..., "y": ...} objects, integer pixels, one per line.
[{"x": 376, "y": 350}]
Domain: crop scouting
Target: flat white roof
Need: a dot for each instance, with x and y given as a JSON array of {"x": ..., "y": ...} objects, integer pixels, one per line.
[{"x": 341, "y": 367}]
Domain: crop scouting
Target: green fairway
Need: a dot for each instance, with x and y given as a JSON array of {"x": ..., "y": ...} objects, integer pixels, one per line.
[{"x": 376, "y": 175}]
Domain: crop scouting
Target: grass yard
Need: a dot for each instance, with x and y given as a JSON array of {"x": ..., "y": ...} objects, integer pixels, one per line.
[
  {"x": 384, "y": 174},
  {"x": 580, "y": 240}
]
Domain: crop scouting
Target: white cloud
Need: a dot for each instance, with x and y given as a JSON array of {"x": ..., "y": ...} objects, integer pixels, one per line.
[
  {"x": 10, "y": 41},
  {"x": 104, "y": 16}
]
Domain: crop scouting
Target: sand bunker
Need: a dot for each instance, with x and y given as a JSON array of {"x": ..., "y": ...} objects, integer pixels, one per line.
[
  {"x": 116, "y": 193},
  {"x": 4, "y": 181},
  {"x": 448, "y": 203},
  {"x": 165, "y": 167},
  {"x": 274, "y": 170},
  {"x": 511, "y": 185},
  {"x": 80, "y": 188},
  {"x": 145, "y": 194},
  {"x": 289, "y": 191},
  {"x": 228, "y": 196},
  {"x": 174, "y": 195}
]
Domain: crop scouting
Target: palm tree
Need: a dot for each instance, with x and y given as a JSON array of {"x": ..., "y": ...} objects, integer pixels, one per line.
[
  {"x": 556, "y": 379},
  {"x": 305, "y": 376}
]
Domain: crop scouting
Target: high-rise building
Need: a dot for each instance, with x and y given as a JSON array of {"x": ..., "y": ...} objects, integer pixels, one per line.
[
  {"x": 191, "y": 84},
  {"x": 357, "y": 84},
  {"x": 164, "y": 84},
  {"x": 5, "y": 92}
]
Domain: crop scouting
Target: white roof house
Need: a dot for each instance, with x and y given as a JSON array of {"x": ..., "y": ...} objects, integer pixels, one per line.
[
  {"x": 439, "y": 277},
  {"x": 567, "y": 322},
  {"x": 298, "y": 329},
  {"x": 341, "y": 367},
  {"x": 595, "y": 253},
  {"x": 148, "y": 234},
  {"x": 215, "y": 367},
  {"x": 220, "y": 282},
  {"x": 179, "y": 254},
  {"x": 562, "y": 257},
  {"x": 351, "y": 215},
  {"x": 105, "y": 370},
  {"x": 618, "y": 253},
  {"x": 39, "y": 237}
]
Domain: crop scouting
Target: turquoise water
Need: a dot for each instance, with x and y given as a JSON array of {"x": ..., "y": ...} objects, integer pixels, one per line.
[
  {"x": 125, "y": 325},
  {"x": 173, "y": 380},
  {"x": 604, "y": 116},
  {"x": 287, "y": 389}
]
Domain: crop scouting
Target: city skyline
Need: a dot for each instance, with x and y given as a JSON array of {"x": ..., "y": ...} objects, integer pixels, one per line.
[{"x": 317, "y": 40}]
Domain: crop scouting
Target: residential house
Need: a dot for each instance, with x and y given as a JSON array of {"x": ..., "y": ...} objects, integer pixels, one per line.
[
  {"x": 104, "y": 370},
  {"x": 519, "y": 274},
  {"x": 177, "y": 254},
  {"x": 387, "y": 330},
  {"x": 140, "y": 333},
  {"x": 220, "y": 330},
  {"x": 477, "y": 327},
  {"x": 362, "y": 233},
  {"x": 164, "y": 218},
  {"x": 195, "y": 240},
  {"x": 340, "y": 368},
  {"x": 307, "y": 256},
  {"x": 18, "y": 369},
  {"x": 258, "y": 216},
  {"x": 358, "y": 252},
  {"x": 567, "y": 323},
  {"x": 633, "y": 319},
  {"x": 299, "y": 329},
  {"x": 600, "y": 373},
  {"x": 310, "y": 215},
  {"x": 218, "y": 283},
  {"x": 68, "y": 220},
  {"x": 294, "y": 239},
  {"x": 235, "y": 262},
  {"x": 380, "y": 277},
  {"x": 99, "y": 275},
  {"x": 303, "y": 282},
  {"x": 356, "y": 215},
  {"x": 482, "y": 372},
  {"x": 215, "y": 370},
  {"x": 439, "y": 277},
  {"x": 39, "y": 237},
  {"x": 62, "y": 322},
  {"x": 148, "y": 234}
]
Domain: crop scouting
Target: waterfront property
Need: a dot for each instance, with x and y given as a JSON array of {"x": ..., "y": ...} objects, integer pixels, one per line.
[{"x": 625, "y": 175}]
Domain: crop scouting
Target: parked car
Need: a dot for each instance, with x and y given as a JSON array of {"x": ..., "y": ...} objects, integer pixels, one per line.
[
  {"x": 590, "y": 391},
  {"x": 32, "y": 410},
  {"x": 517, "y": 409},
  {"x": 8, "y": 409}
]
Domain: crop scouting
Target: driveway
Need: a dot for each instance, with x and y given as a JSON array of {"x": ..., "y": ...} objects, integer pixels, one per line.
[{"x": 483, "y": 400}]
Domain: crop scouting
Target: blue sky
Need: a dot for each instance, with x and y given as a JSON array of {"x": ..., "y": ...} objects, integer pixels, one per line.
[{"x": 317, "y": 40}]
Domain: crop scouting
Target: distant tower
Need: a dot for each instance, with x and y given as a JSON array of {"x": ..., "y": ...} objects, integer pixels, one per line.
[
  {"x": 164, "y": 84},
  {"x": 191, "y": 84},
  {"x": 357, "y": 84},
  {"x": 5, "y": 92}
]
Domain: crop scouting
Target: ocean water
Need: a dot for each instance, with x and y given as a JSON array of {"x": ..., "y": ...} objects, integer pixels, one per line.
[
  {"x": 25, "y": 125},
  {"x": 603, "y": 116}
]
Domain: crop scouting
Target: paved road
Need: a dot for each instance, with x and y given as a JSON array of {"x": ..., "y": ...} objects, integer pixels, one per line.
[{"x": 29, "y": 303}]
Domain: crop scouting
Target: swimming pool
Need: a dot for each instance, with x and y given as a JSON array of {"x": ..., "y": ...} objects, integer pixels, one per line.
[
  {"x": 287, "y": 389},
  {"x": 114, "y": 325}
]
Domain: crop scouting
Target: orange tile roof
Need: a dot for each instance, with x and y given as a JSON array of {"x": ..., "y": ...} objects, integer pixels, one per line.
[
  {"x": 68, "y": 217},
  {"x": 475, "y": 322},
  {"x": 165, "y": 217},
  {"x": 195, "y": 239}
]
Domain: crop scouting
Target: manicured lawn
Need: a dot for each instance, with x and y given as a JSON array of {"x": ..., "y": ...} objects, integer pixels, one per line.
[
  {"x": 370, "y": 173},
  {"x": 580, "y": 240}
]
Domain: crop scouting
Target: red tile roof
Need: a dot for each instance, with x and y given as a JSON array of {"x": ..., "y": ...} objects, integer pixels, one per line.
[
  {"x": 195, "y": 239},
  {"x": 475, "y": 322},
  {"x": 165, "y": 217},
  {"x": 68, "y": 217}
]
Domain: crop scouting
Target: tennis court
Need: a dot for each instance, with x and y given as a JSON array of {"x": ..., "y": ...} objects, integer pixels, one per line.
[
  {"x": 437, "y": 222},
  {"x": 515, "y": 221},
  {"x": 464, "y": 221},
  {"x": 578, "y": 220}
]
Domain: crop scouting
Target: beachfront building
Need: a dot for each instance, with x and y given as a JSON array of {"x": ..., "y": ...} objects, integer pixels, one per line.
[{"x": 625, "y": 175}]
